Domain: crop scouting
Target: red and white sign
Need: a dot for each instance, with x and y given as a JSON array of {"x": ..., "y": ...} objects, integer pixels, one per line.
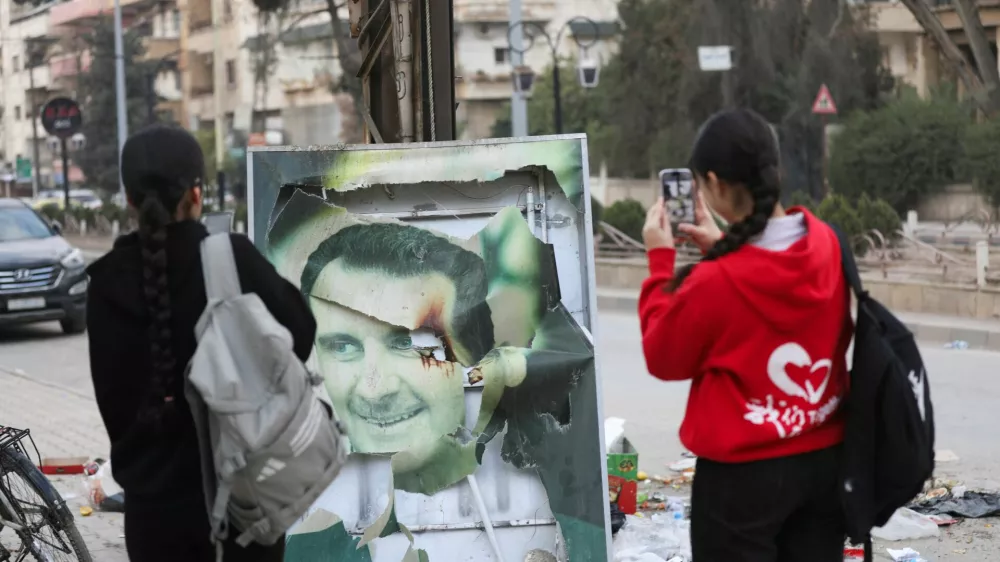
[
  {"x": 257, "y": 139},
  {"x": 824, "y": 102}
]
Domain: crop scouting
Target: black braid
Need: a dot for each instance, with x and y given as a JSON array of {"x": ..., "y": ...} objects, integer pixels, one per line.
[
  {"x": 153, "y": 220},
  {"x": 748, "y": 137},
  {"x": 161, "y": 165}
]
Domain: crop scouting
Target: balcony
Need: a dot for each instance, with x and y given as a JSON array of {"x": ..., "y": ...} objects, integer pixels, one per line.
[
  {"x": 493, "y": 11},
  {"x": 160, "y": 48},
  {"x": 68, "y": 66},
  {"x": 79, "y": 12},
  {"x": 200, "y": 73},
  {"x": 199, "y": 14}
]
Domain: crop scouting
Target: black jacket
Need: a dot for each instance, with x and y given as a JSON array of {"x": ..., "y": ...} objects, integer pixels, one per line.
[{"x": 159, "y": 468}]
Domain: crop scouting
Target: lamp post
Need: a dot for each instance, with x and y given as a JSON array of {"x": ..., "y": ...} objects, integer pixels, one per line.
[{"x": 523, "y": 76}]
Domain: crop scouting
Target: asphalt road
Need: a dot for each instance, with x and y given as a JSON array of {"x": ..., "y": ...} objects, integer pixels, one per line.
[{"x": 965, "y": 386}]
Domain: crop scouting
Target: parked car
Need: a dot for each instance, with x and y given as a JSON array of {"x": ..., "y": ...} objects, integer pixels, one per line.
[
  {"x": 42, "y": 277},
  {"x": 85, "y": 198}
]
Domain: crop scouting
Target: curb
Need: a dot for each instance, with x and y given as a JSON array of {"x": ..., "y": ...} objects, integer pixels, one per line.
[
  {"x": 983, "y": 338},
  {"x": 54, "y": 386}
]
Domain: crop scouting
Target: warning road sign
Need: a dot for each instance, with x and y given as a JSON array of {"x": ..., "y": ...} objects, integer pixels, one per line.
[{"x": 824, "y": 102}]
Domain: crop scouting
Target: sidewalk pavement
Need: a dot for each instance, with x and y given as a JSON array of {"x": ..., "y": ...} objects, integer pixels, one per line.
[
  {"x": 65, "y": 423},
  {"x": 928, "y": 328}
]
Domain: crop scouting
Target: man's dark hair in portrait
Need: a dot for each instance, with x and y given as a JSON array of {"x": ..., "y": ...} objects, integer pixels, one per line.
[{"x": 404, "y": 251}]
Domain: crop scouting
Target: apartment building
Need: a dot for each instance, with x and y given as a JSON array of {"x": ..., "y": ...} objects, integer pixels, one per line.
[
  {"x": 25, "y": 84},
  {"x": 42, "y": 57},
  {"x": 279, "y": 72},
  {"x": 482, "y": 53}
]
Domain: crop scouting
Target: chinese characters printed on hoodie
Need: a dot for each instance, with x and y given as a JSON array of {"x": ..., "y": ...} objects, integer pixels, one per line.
[{"x": 762, "y": 334}]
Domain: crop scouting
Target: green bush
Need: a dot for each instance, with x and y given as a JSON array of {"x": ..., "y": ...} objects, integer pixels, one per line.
[
  {"x": 801, "y": 198},
  {"x": 982, "y": 146},
  {"x": 910, "y": 148},
  {"x": 596, "y": 214},
  {"x": 628, "y": 216},
  {"x": 877, "y": 214},
  {"x": 838, "y": 211}
]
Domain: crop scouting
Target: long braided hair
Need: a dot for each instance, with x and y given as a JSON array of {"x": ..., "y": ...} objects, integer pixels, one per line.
[
  {"x": 160, "y": 165},
  {"x": 740, "y": 148}
]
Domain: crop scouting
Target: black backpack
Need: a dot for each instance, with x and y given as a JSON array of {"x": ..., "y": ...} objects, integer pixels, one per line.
[{"x": 889, "y": 434}]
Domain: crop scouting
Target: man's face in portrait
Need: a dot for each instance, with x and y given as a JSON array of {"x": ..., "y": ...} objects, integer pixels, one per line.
[{"x": 393, "y": 386}]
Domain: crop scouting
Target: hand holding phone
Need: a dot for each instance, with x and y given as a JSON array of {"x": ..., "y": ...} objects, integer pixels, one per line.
[
  {"x": 704, "y": 232},
  {"x": 678, "y": 189}
]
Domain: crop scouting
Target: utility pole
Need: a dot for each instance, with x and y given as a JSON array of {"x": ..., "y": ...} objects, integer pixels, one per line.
[
  {"x": 34, "y": 123},
  {"x": 218, "y": 68},
  {"x": 119, "y": 96},
  {"x": 518, "y": 104}
]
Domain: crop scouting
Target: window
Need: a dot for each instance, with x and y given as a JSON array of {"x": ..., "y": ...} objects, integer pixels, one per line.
[
  {"x": 227, "y": 9},
  {"x": 17, "y": 63},
  {"x": 500, "y": 55},
  {"x": 177, "y": 22},
  {"x": 21, "y": 223},
  {"x": 178, "y": 83},
  {"x": 231, "y": 73},
  {"x": 17, "y": 113}
]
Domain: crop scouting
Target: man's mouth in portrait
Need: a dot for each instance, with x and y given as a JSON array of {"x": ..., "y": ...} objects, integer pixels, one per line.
[{"x": 389, "y": 419}]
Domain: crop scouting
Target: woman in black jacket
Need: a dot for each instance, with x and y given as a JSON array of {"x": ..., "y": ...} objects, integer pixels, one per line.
[{"x": 145, "y": 297}]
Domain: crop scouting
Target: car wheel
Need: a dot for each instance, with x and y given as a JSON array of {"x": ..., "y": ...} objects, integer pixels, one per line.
[{"x": 74, "y": 325}]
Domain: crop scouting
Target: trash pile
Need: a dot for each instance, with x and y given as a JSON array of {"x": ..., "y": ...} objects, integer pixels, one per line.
[
  {"x": 661, "y": 537},
  {"x": 649, "y": 519},
  {"x": 948, "y": 498},
  {"x": 100, "y": 489}
]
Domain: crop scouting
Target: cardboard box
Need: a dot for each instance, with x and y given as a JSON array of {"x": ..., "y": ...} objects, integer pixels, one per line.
[{"x": 623, "y": 476}]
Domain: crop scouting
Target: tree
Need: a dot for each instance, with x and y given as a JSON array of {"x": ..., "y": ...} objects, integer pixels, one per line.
[
  {"x": 348, "y": 56},
  {"x": 784, "y": 50},
  {"x": 99, "y": 158},
  {"x": 910, "y": 148},
  {"x": 982, "y": 143},
  {"x": 582, "y": 108},
  {"x": 982, "y": 79},
  {"x": 206, "y": 138}
]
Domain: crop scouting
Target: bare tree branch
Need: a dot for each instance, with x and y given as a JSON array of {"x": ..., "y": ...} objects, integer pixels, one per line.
[
  {"x": 968, "y": 12},
  {"x": 932, "y": 25}
]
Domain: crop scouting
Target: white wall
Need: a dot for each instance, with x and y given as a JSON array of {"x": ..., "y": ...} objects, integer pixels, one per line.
[{"x": 15, "y": 81}]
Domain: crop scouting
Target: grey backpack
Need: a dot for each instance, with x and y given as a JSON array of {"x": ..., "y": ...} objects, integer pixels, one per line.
[{"x": 269, "y": 445}]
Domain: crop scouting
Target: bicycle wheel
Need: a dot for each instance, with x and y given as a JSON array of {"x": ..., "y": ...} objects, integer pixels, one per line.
[{"x": 50, "y": 533}]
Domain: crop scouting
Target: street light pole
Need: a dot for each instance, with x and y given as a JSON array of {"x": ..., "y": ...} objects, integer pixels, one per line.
[
  {"x": 34, "y": 128},
  {"x": 557, "y": 93},
  {"x": 514, "y": 34},
  {"x": 518, "y": 103},
  {"x": 119, "y": 98}
]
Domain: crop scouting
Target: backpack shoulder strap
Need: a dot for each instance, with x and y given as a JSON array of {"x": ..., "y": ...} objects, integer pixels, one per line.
[
  {"x": 848, "y": 264},
  {"x": 219, "y": 266}
]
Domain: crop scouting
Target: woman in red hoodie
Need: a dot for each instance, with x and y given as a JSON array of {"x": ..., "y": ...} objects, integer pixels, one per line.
[{"x": 761, "y": 328}]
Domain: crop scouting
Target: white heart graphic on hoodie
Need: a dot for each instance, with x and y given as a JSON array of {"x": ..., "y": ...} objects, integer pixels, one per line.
[{"x": 794, "y": 354}]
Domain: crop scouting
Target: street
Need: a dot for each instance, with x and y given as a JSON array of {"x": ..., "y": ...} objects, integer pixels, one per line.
[{"x": 45, "y": 385}]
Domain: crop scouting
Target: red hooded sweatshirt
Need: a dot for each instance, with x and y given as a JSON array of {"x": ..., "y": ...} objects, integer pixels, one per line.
[{"x": 763, "y": 337}]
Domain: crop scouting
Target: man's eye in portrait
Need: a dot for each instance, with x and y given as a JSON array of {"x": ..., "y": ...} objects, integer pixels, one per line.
[
  {"x": 401, "y": 342},
  {"x": 342, "y": 347}
]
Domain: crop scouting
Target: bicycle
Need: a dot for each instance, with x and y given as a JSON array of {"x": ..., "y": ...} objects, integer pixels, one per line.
[{"x": 30, "y": 505}]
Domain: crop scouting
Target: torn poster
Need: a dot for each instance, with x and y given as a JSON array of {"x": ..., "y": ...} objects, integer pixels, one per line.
[{"x": 452, "y": 288}]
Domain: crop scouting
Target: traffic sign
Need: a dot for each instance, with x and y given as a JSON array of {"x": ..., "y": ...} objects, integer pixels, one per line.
[
  {"x": 824, "y": 102},
  {"x": 23, "y": 168},
  {"x": 61, "y": 117}
]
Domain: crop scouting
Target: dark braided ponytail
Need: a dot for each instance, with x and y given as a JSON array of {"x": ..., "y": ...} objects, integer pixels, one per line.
[
  {"x": 739, "y": 147},
  {"x": 160, "y": 165}
]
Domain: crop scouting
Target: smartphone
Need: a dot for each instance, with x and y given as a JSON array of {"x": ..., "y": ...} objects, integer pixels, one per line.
[
  {"x": 221, "y": 221},
  {"x": 678, "y": 194}
]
